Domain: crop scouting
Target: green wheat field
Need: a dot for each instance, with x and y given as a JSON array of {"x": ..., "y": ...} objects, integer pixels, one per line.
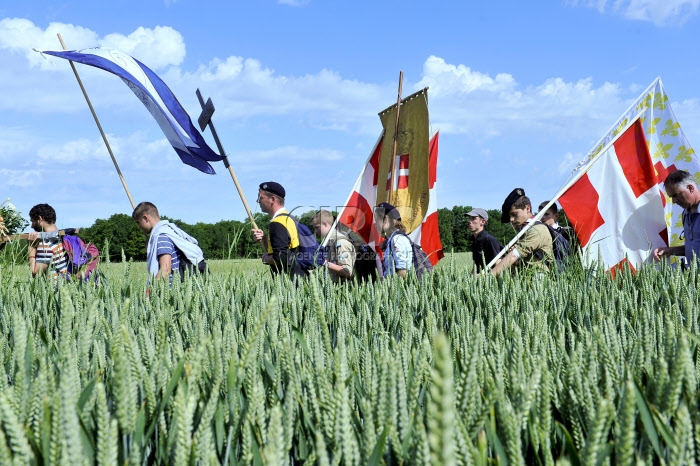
[{"x": 239, "y": 368}]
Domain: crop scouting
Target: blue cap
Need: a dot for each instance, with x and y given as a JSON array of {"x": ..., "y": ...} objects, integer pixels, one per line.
[{"x": 273, "y": 188}]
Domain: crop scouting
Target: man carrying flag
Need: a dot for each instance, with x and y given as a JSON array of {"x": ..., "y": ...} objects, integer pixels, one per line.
[
  {"x": 534, "y": 248},
  {"x": 682, "y": 188},
  {"x": 613, "y": 198},
  {"x": 282, "y": 241}
]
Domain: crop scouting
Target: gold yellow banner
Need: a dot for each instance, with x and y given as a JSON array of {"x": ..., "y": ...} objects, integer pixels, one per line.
[{"x": 411, "y": 190}]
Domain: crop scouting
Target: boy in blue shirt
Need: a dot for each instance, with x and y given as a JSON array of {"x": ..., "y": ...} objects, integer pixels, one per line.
[{"x": 168, "y": 246}]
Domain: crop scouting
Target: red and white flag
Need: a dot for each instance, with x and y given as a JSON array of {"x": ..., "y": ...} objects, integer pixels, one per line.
[
  {"x": 616, "y": 200},
  {"x": 617, "y": 207},
  {"x": 358, "y": 212}
]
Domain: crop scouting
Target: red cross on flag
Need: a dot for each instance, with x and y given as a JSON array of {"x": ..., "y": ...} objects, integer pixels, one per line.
[
  {"x": 358, "y": 211},
  {"x": 615, "y": 199},
  {"x": 616, "y": 207},
  {"x": 401, "y": 173}
]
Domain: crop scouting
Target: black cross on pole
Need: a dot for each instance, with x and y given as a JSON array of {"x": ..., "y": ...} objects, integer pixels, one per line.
[{"x": 204, "y": 120}]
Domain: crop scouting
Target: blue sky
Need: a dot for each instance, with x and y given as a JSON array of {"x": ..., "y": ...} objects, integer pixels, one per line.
[{"x": 520, "y": 91}]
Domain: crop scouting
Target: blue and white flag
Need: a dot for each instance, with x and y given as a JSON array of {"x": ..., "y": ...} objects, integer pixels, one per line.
[{"x": 158, "y": 99}]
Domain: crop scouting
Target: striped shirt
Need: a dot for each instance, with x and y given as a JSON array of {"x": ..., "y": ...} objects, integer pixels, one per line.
[
  {"x": 50, "y": 251},
  {"x": 166, "y": 246}
]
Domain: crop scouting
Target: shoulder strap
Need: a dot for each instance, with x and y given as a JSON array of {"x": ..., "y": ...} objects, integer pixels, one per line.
[
  {"x": 538, "y": 253},
  {"x": 285, "y": 223},
  {"x": 552, "y": 232},
  {"x": 346, "y": 239},
  {"x": 399, "y": 232}
]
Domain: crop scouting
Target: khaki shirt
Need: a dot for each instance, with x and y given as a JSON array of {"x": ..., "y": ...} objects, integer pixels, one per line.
[
  {"x": 537, "y": 238},
  {"x": 341, "y": 251}
]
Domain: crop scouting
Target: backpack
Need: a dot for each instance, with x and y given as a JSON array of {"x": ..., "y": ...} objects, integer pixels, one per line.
[
  {"x": 309, "y": 255},
  {"x": 560, "y": 247},
  {"x": 421, "y": 262},
  {"x": 365, "y": 263},
  {"x": 185, "y": 265},
  {"x": 81, "y": 257}
]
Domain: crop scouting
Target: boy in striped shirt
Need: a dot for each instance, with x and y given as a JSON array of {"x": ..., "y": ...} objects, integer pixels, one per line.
[
  {"x": 169, "y": 248},
  {"x": 46, "y": 254}
]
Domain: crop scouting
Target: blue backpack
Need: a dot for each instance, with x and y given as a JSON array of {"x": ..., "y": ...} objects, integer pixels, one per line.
[
  {"x": 309, "y": 255},
  {"x": 421, "y": 262}
]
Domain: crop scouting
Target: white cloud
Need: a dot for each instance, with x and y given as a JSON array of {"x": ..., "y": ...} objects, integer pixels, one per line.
[
  {"x": 244, "y": 88},
  {"x": 79, "y": 150},
  {"x": 159, "y": 47},
  {"x": 462, "y": 100},
  {"x": 659, "y": 12},
  {"x": 266, "y": 92},
  {"x": 134, "y": 150},
  {"x": 20, "y": 178},
  {"x": 445, "y": 79},
  {"x": 569, "y": 162},
  {"x": 465, "y": 101}
]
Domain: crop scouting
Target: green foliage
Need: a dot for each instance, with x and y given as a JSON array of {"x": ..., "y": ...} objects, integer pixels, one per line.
[
  {"x": 307, "y": 217},
  {"x": 12, "y": 218},
  {"x": 232, "y": 239},
  {"x": 461, "y": 236},
  {"x": 225, "y": 239},
  {"x": 503, "y": 232},
  {"x": 455, "y": 369},
  {"x": 456, "y": 236},
  {"x": 446, "y": 224},
  {"x": 11, "y": 222},
  {"x": 121, "y": 232}
]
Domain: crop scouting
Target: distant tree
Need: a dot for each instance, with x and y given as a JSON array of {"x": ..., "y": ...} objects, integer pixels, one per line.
[
  {"x": 461, "y": 236},
  {"x": 446, "y": 223},
  {"x": 228, "y": 239},
  {"x": 121, "y": 232},
  {"x": 503, "y": 232},
  {"x": 250, "y": 248},
  {"x": 306, "y": 218}
]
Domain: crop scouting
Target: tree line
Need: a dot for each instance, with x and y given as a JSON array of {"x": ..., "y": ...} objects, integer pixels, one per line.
[{"x": 118, "y": 237}]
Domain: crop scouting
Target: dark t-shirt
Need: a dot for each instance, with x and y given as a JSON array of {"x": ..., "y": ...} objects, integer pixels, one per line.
[{"x": 484, "y": 248}]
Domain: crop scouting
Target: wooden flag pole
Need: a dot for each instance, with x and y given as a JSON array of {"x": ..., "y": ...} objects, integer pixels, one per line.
[
  {"x": 99, "y": 126},
  {"x": 25, "y": 236},
  {"x": 390, "y": 193},
  {"x": 204, "y": 121}
]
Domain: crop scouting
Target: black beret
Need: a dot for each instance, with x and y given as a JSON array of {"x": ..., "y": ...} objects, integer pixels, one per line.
[
  {"x": 514, "y": 195},
  {"x": 390, "y": 210},
  {"x": 274, "y": 188}
]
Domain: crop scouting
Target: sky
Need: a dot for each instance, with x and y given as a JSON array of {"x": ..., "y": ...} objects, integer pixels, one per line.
[{"x": 520, "y": 92}]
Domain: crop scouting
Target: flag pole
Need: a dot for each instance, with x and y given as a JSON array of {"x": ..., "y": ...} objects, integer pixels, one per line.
[
  {"x": 204, "y": 121},
  {"x": 565, "y": 187},
  {"x": 390, "y": 193},
  {"x": 99, "y": 126},
  {"x": 25, "y": 236}
]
